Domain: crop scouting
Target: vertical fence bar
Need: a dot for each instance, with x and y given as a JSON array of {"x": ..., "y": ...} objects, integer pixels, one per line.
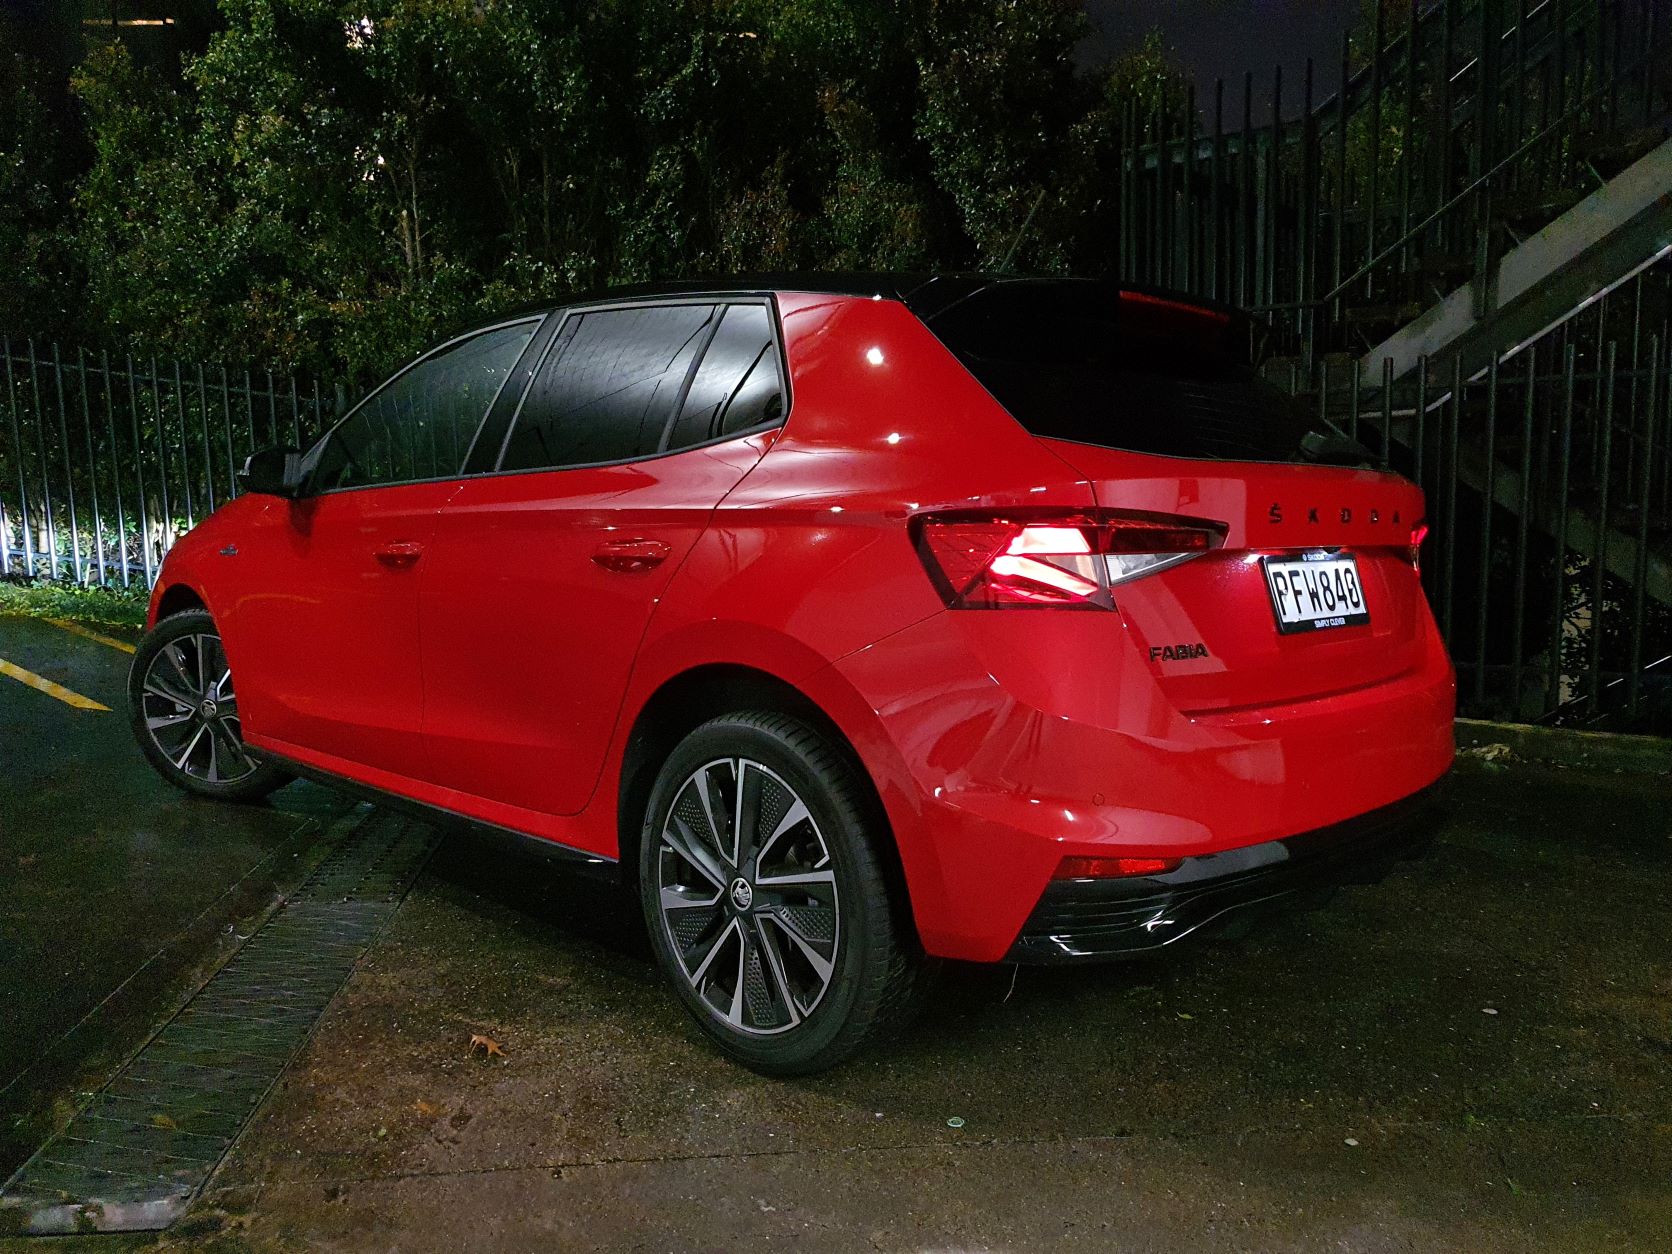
[
  {"x": 1563, "y": 459},
  {"x": 1374, "y": 168},
  {"x": 1420, "y": 459},
  {"x": 1407, "y": 135},
  {"x": 1387, "y": 412},
  {"x": 92, "y": 466},
  {"x": 1189, "y": 175},
  {"x": 1214, "y": 268},
  {"x": 273, "y": 408},
  {"x": 1340, "y": 224},
  {"x": 185, "y": 446},
  {"x": 139, "y": 473},
  {"x": 1517, "y": 642},
  {"x": 45, "y": 465},
  {"x": 1599, "y": 555},
  {"x": 1640, "y": 568},
  {"x": 226, "y": 419},
  {"x": 68, "y": 462},
  {"x": 1245, "y": 193},
  {"x": 203, "y": 430},
  {"x": 295, "y": 416},
  {"x": 22, "y": 472},
  {"x": 1450, "y": 480},
  {"x": 1488, "y": 493},
  {"x": 1274, "y": 187},
  {"x": 166, "y": 522},
  {"x": 115, "y": 462}
]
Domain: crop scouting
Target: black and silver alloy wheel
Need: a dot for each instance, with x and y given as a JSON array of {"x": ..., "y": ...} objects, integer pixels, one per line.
[
  {"x": 762, "y": 877},
  {"x": 191, "y": 710},
  {"x": 748, "y": 896},
  {"x": 184, "y": 712}
]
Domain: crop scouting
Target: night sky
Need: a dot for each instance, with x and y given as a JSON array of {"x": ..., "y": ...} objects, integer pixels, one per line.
[{"x": 1223, "y": 38}]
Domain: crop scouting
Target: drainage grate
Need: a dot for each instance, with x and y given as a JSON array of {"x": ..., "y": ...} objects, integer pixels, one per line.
[{"x": 138, "y": 1153}]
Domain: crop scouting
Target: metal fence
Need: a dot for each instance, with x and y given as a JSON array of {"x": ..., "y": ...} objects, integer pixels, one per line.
[
  {"x": 1548, "y": 478},
  {"x": 105, "y": 462},
  {"x": 1447, "y": 138}
]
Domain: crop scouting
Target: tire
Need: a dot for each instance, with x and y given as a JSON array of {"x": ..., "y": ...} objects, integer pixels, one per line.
[
  {"x": 789, "y": 955},
  {"x": 185, "y": 716}
]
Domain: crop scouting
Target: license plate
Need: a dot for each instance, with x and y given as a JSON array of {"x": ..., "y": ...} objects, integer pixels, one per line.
[{"x": 1315, "y": 591}]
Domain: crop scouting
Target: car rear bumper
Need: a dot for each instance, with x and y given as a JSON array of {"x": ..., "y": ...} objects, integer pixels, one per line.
[{"x": 1220, "y": 894}]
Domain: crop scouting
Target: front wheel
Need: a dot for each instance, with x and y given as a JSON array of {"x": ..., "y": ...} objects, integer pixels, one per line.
[
  {"x": 764, "y": 894},
  {"x": 184, "y": 712}
]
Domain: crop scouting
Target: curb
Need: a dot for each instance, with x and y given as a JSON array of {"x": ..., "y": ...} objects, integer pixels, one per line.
[{"x": 1595, "y": 751}]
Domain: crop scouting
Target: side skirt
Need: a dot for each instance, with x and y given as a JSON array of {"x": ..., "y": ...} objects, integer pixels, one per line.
[{"x": 594, "y": 866}]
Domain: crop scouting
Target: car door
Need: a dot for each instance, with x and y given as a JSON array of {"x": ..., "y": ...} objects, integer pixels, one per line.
[
  {"x": 324, "y": 633},
  {"x": 639, "y": 421}
]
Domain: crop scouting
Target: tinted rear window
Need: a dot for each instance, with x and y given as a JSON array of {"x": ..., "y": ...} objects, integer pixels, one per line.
[{"x": 1086, "y": 361}]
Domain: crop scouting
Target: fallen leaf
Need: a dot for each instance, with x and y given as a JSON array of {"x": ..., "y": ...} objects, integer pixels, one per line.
[
  {"x": 1489, "y": 753},
  {"x": 28, "y": 859},
  {"x": 425, "y": 1108},
  {"x": 486, "y": 1044},
  {"x": 163, "y": 1121}
]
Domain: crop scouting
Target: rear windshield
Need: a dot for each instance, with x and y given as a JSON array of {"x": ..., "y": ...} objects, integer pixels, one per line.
[{"x": 1091, "y": 362}]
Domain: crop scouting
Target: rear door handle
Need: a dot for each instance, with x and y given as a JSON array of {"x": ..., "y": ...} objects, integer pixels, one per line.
[
  {"x": 631, "y": 557},
  {"x": 399, "y": 553}
]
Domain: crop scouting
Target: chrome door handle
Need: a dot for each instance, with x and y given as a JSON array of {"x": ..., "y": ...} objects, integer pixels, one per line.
[
  {"x": 631, "y": 557},
  {"x": 399, "y": 553}
]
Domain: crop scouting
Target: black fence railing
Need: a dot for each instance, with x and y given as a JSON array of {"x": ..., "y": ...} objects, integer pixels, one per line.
[
  {"x": 1548, "y": 478},
  {"x": 1383, "y": 183},
  {"x": 105, "y": 461}
]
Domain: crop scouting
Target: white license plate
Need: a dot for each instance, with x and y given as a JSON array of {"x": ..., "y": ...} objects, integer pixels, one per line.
[{"x": 1315, "y": 592}]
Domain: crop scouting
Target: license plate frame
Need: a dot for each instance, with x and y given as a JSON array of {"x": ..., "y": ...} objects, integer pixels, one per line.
[{"x": 1331, "y": 601}]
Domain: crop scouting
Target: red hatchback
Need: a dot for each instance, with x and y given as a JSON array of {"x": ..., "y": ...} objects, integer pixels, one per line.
[{"x": 851, "y": 621}]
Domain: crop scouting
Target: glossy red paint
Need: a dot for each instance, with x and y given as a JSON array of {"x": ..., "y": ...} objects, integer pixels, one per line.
[{"x": 500, "y": 674}]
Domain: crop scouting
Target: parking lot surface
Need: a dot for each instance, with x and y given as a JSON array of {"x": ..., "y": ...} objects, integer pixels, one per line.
[{"x": 1472, "y": 1055}]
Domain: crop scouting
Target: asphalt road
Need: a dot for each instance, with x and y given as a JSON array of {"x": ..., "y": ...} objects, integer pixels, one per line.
[
  {"x": 116, "y": 891},
  {"x": 1472, "y": 1055}
]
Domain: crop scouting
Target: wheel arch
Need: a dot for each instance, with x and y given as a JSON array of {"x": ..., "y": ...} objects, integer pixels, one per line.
[
  {"x": 172, "y": 598},
  {"x": 684, "y": 701}
]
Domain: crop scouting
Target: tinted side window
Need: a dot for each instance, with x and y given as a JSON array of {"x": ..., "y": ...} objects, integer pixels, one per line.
[
  {"x": 419, "y": 425},
  {"x": 609, "y": 388},
  {"x": 737, "y": 386}
]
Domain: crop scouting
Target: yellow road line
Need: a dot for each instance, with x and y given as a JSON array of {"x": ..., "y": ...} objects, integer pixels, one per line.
[
  {"x": 51, "y": 689},
  {"x": 90, "y": 634}
]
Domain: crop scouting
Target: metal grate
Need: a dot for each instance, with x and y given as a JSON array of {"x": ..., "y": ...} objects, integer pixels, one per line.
[{"x": 138, "y": 1153}]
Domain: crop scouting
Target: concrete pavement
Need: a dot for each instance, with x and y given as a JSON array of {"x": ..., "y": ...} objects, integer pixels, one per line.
[{"x": 1472, "y": 1055}]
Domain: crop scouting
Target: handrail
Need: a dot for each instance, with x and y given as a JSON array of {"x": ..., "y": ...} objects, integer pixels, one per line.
[{"x": 1473, "y": 188}]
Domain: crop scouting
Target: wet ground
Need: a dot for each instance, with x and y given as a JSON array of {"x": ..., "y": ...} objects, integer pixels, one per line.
[{"x": 1473, "y": 1055}]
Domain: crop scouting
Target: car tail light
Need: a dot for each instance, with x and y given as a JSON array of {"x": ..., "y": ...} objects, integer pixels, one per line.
[
  {"x": 1113, "y": 868},
  {"x": 1419, "y": 533},
  {"x": 1067, "y": 560}
]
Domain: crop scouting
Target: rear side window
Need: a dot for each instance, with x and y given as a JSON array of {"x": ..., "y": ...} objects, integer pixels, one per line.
[
  {"x": 1088, "y": 361},
  {"x": 737, "y": 386},
  {"x": 610, "y": 387}
]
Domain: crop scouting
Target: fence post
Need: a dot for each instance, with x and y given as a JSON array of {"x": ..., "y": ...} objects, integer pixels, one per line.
[{"x": 22, "y": 475}]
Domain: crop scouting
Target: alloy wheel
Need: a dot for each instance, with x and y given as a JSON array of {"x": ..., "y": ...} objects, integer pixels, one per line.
[
  {"x": 191, "y": 712},
  {"x": 748, "y": 896}
]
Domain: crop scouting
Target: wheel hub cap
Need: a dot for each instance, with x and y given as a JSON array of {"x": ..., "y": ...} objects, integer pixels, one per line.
[{"x": 741, "y": 894}]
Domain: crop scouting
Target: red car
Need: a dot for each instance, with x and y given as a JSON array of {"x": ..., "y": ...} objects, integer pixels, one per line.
[{"x": 851, "y": 621}]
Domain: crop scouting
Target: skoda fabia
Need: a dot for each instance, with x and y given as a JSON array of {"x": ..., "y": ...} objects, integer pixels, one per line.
[{"x": 850, "y": 622}]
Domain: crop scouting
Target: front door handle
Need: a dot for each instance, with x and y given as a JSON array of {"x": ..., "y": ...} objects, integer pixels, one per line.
[
  {"x": 631, "y": 557},
  {"x": 399, "y": 553}
]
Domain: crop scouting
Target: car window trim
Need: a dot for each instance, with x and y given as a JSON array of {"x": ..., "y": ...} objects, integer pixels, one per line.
[
  {"x": 311, "y": 457},
  {"x": 767, "y": 300}
]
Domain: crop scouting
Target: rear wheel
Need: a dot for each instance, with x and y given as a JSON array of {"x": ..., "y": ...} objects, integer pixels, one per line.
[
  {"x": 184, "y": 712},
  {"x": 765, "y": 896}
]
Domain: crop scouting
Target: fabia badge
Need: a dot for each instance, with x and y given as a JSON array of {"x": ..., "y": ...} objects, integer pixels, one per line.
[{"x": 1177, "y": 652}]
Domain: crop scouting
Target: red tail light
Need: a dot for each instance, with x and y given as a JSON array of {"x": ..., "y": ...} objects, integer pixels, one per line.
[
  {"x": 1113, "y": 868},
  {"x": 1068, "y": 560},
  {"x": 1419, "y": 533}
]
